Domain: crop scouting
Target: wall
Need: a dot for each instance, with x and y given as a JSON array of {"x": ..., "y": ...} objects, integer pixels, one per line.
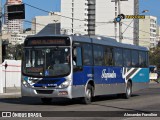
[
  {"x": 47, "y": 25},
  {"x": 149, "y": 25},
  {"x": 144, "y": 37},
  {"x": 105, "y": 14},
  {"x": 74, "y": 9},
  {"x": 104, "y": 17},
  {"x": 1, "y": 85},
  {"x": 12, "y": 74}
]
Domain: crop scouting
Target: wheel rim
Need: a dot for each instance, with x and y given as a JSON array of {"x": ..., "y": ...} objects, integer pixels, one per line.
[
  {"x": 128, "y": 91},
  {"x": 88, "y": 95}
]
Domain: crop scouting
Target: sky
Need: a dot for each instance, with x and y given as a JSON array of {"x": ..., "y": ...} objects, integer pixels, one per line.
[
  {"x": 54, "y": 5},
  {"x": 152, "y": 6},
  {"x": 48, "y": 5}
]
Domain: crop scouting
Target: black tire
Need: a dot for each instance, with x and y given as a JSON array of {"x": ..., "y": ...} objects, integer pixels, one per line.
[
  {"x": 46, "y": 100},
  {"x": 120, "y": 95},
  {"x": 128, "y": 93},
  {"x": 88, "y": 95}
]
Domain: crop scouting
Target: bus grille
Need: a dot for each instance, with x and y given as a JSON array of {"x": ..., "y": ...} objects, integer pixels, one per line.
[
  {"x": 44, "y": 91},
  {"x": 47, "y": 81}
]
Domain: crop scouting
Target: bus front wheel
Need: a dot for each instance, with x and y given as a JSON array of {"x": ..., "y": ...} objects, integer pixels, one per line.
[
  {"x": 46, "y": 100},
  {"x": 128, "y": 93},
  {"x": 88, "y": 95}
]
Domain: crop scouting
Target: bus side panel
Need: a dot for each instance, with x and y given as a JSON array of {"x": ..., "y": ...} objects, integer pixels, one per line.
[
  {"x": 140, "y": 79},
  {"x": 80, "y": 78},
  {"x": 108, "y": 80}
]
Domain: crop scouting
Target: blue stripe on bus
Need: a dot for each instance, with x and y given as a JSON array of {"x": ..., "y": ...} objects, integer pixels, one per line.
[
  {"x": 49, "y": 82},
  {"x": 141, "y": 76}
]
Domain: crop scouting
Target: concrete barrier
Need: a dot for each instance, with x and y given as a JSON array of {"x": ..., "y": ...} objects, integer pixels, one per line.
[
  {"x": 11, "y": 75},
  {"x": 1, "y": 81}
]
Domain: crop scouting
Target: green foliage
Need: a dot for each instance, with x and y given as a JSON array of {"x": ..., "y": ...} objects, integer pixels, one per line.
[
  {"x": 14, "y": 52},
  {"x": 154, "y": 56}
]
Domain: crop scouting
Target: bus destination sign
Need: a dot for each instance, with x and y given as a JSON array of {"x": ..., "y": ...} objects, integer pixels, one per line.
[{"x": 47, "y": 41}]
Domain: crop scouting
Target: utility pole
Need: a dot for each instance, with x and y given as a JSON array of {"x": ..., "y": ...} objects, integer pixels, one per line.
[
  {"x": 0, "y": 32},
  {"x": 1, "y": 81},
  {"x": 120, "y": 24},
  {"x": 118, "y": 12},
  {"x": 115, "y": 23},
  {"x": 55, "y": 27}
]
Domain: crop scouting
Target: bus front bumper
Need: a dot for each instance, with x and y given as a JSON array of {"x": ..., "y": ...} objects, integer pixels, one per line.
[{"x": 46, "y": 92}]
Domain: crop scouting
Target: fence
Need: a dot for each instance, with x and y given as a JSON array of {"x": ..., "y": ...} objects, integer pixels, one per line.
[{"x": 11, "y": 75}]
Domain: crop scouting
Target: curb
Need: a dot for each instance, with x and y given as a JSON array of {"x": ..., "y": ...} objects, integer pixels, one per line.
[
  {"x": 153, "y": 83},
  {"x": 10, "y": 95}
]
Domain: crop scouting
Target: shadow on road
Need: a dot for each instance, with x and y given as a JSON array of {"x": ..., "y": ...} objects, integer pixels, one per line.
[
  {"x": 57, "y": 101},
  {"x": 67, "y": 102},
  {"x": 123, "y": 109}
]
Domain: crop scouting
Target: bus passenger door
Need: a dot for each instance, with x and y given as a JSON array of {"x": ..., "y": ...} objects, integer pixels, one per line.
[
  {"x": 77, "y": 66},
  {"x": 83, "y": 71}
]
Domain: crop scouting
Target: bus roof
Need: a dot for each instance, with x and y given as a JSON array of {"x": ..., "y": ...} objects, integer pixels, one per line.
[
  {"x": 106, "y": 41},
  {"x": 96, "y": 40}
]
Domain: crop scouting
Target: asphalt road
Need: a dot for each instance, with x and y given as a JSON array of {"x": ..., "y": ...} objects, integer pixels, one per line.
[{"x": 144, "y": 102}]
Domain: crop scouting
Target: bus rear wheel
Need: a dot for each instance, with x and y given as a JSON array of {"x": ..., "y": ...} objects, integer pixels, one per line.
[
  {"x": 88, "y": 95},
  {"x": 128, "y": 93},
  {"x": 46, "y": 100}
]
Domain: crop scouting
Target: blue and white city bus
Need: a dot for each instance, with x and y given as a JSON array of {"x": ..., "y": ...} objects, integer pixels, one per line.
[{"x": 82, "y": 67}]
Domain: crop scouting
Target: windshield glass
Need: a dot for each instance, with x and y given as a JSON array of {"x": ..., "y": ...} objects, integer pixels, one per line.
[{"x": 50, "y": 62}]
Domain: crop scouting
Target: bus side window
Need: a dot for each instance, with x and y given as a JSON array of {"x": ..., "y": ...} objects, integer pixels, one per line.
[
  {"x": 78, "y": 56},
  {"x": 87, "y": 55}
]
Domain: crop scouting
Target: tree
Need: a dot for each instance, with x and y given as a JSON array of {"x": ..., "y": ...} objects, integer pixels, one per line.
[
  {"x": 19, "y": 51},
  {"x": 14, "y": 52},
  {"x": 154, "y": 56}
]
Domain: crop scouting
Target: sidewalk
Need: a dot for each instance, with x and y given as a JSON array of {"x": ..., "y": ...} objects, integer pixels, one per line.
[
  {"x": 11, "y": 92},
  {"x": 154, "y": 82}
]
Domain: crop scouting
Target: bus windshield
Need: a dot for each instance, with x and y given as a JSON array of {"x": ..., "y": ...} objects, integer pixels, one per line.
[{"x": 46, "y": 62}]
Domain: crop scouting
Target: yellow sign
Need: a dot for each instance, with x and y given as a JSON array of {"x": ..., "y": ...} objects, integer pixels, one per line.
[{"x": 134, "y": 16}]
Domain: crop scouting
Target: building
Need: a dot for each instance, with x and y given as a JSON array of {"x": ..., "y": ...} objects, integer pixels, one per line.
[
  {"x": 96, "y": 17},
  {"x": 47, "y": 24},
  {"x": 148, "y": 32},
  {"x": 15, "y": 38},
  {"x": 18, "y": 38},
  {"x": 158, "y": 33},
  {"x": 14, "y": 26}
]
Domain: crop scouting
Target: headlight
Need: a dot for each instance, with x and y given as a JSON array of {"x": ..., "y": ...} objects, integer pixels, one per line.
[
  {"x": 24, "y": 81},
  {"x": 64, "y": 84}
]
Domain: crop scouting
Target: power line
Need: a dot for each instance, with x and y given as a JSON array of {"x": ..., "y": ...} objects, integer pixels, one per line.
[
  {"x": 73, "y": 18},
  {"x": 133, "y": 28},
  {"x": 60, "y": 15},
  {"x": 51, "y": 12},
  {"x": 76, "y": 19},
  {"x": 69, "y": 29},
  {"x": 49, "y": 27}
]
